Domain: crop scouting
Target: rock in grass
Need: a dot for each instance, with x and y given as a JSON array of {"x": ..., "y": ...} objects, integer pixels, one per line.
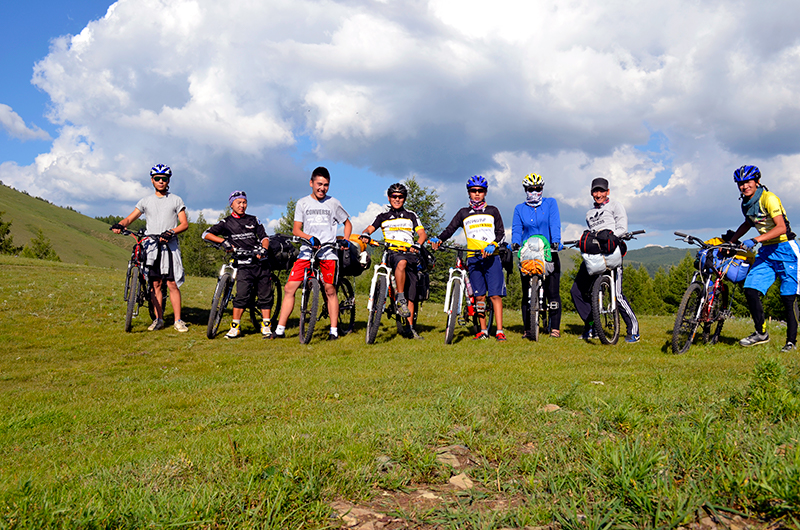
[
  {"x": 461, "y": 481},
  {"x": 550, "y": 408}
]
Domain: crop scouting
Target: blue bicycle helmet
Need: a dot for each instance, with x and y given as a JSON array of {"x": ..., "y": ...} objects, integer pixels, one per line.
[
  {"x": 745, "y": 173},
  {"x": 477, "y": 182},
  {"x": 160, "y": 169}
]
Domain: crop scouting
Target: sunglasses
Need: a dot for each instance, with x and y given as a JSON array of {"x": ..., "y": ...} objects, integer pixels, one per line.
[
  {"x": 477, "y": 190},
  {"x": 396, "y": 197},
  {"x": 533, "y": 188},
  {"x": 158, "y": 178}
]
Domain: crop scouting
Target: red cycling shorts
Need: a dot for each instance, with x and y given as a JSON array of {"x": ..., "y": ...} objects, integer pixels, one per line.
[{"x": 326, "y": 266}]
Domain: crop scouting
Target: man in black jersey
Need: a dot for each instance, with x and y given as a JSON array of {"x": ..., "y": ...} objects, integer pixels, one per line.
[
  {"x": 242, "y": 231},
  {"x": 398, "y": 226}
]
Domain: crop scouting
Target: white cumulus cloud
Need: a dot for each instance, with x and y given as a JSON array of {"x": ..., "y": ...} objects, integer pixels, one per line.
[{"x": 15, "y": 126}]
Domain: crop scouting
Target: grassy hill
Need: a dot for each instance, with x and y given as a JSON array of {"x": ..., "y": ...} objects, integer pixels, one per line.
[
  {"x": 654, "y": 257},
  {"x": 75, "y": 237}
]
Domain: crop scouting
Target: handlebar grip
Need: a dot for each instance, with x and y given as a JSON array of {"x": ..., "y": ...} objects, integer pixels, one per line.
[
  {"x": 681, "y": 234},
  {"x": 637, "y": 232},
  {"x": 568, "y": 243}
]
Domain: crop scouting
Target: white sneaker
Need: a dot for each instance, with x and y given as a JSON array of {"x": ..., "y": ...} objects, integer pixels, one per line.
[
  {"x": 233, "y": 332},
  {"x": 181, "y": 326},
  {"x": 266, "y": 332},
  {"x": 156, "y": 325}
]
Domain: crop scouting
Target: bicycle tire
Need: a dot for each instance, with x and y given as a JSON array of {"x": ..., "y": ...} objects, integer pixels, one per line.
[
  {"x": 126, "y": 293},
  {"x": 219, "y": 301},
  {"x": 347, "y": 307},
  {"x": 133, "y": 297},
  {"x": 606, "y": 320},
  {"x": 452, "y": 318},
  {"x": 309, "y": 310},
  {"x": 533, "y": 308},
  {"x": 277, "y": 290},
  {"x": 686, "y": 320},
  {"x": 716, "y": 314},
  {"x": 378, "y": 301}
]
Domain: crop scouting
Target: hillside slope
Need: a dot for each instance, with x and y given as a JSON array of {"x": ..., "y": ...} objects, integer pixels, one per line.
[
  {"x": 655, "y": 257},
  {"x": 75, "y": 237}
]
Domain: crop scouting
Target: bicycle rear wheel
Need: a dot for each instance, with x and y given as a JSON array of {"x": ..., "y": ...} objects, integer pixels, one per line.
[
  {"x": 686, "y": 320},
  {"x": 604, "y": 311},
  {"x": 452, "y": 318},
  {"x": 309, "y": 310},
  {"x": 378, "y": 302},
  {"x": 347, "y": 307},
  {"x": 219, "y": 301},
  {"x": 716, "y": 314},
  {"x": 133, "y": 297}
]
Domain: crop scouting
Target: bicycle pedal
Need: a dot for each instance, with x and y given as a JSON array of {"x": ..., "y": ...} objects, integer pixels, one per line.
[{"x": 461, "y": 321}]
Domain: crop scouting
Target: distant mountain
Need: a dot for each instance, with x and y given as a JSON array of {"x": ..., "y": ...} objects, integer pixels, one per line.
[
  {"x": 75, "y": 237},
  {"x": 653, "y": 257}
]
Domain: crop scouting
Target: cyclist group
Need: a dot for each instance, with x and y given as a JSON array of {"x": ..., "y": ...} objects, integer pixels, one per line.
[{"x": 318, "y": 216}]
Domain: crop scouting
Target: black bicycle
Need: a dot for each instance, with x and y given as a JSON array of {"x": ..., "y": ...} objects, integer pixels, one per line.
[
  {"x": 310, "y": 311},
  {"x": 138, "y": 291},
  {"x": 223, "y": 292}
]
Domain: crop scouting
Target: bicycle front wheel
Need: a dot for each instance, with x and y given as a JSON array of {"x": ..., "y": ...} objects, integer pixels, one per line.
[
  {"x": 218, "y": 304},
  {"x": 686, "y": 320},
  {"x": 347, "y": 307},
  {"x": 533, "y": 308},
  {"x": 309, "y": 310},
  {"x": 604, "y": 311},
  {"x": 133, "y": 297},
  {"x": 378, "y": 301},
  {"x": 452, "y": 318}
]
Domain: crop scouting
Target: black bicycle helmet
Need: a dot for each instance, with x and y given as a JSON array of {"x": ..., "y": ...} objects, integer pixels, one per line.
[{"x": 397, "y": 188}]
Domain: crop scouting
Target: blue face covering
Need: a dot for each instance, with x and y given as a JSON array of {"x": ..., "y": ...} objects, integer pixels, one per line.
[{"x": 533, "y": 198}]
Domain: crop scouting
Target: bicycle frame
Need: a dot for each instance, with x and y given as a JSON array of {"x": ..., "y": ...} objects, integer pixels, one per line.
[
  {"x": 382, "y": 269},
  {"x": 459, "y": 274}
]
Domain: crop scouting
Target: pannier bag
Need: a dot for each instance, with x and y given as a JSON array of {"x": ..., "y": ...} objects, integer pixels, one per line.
[
  {"x": 423, "y": 286},
  {"x": 734, "y": 265},
  {"x": 350, "y": 258},
  {"x": 281, "y": 254},
  {"x": 735, "y": 269},
  {"x": 602, "y": 242},
  {"x": 598, "y": 263},
  {"x": 534, "y": 255},
  {"x": 506, "y": 258},
  {"x": 427, "y": 261}
]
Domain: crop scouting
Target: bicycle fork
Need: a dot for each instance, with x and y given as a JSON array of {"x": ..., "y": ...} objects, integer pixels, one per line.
[
  {"x": 380, "y": 270},
  {"x": 456, "y": 275}
]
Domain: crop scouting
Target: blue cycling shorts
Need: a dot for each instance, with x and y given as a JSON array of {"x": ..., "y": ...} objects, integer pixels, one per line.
[
  {"x": 778, "y": 260},
  {"x": 486, "y": 276}
]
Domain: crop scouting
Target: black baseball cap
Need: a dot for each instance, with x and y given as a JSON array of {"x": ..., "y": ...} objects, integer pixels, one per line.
[{"x": 600, "y": 184}]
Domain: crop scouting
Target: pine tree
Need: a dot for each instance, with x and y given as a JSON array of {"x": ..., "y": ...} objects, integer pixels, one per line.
[
  {"x": 286, "y": 222},
  {"x": 199, "y": 258},
  {"x": 40, "y": 248},
  {"x": 6, "y": 239}
]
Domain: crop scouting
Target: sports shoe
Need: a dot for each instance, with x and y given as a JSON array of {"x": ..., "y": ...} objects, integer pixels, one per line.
[
  {"x": 181, "y": 326},
  {"x": 156, "y": 325},
  {"x": 789, "y": 347},
  {"x": 402, "y": 307},
  {"x": 234, "y": 332},
  {"x": 277, "y": 336},
  {"x": 632, "y": 338},
  {"x": 755, "y": 338},
  {"x": 500, "y": 336},
  {"x": 266, "y": 331},
  {"x": 331, "y": 336},
  {"x": 588, "y": 334},
  {"x": 414, "y": 335},
  {"x": 480, "y": 336}
]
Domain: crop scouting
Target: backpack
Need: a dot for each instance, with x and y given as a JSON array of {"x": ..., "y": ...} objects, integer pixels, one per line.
[
  {"x": 281, "y": 254},
  {"x": 602, "y": 242}
]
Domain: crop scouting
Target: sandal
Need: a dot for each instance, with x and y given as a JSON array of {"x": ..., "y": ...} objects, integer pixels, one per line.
[{"x": 555, "y": 333}]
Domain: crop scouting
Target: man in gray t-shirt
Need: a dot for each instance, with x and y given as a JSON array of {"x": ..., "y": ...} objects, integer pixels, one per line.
[
  {"x": 316, "y": 218},
  {"x": 166, "y": 217},
  {"x": 606, "y": 214}
]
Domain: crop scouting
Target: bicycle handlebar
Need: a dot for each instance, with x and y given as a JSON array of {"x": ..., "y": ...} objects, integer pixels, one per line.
[
  {"x": 692, "y": 240},
  {"x": 627, "y": 236}
]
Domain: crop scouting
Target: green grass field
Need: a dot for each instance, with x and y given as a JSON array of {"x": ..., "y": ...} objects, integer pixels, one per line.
[{"x": 103, "y": 429}]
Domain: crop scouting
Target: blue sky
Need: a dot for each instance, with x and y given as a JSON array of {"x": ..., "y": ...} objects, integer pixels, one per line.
[{"x": 658, "y": 98}]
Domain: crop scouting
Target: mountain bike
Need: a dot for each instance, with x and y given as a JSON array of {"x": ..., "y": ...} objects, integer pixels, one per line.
[
  {"x": 310, "y": 312},
  {"x": 382, "y": 298},
  {"x": 605, "y": 311},
  {"x": 706, "y": 300},
  {"x": 223, "y": 292},
  {"x": 459, "y": 298},
  {"x": 138, "y": 290},
  {"x": 537, "y": 307}
]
